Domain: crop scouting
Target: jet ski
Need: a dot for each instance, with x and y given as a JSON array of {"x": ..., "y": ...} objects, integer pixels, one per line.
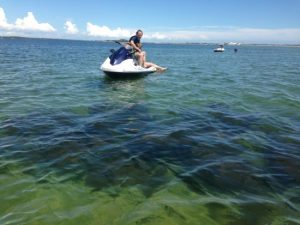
[{"x": 122, "y": 64}]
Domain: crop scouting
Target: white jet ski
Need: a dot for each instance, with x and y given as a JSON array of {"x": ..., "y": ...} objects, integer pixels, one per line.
[{"x": 122, "y": 64}]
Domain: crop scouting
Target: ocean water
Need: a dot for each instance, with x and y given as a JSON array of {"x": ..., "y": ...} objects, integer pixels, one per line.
[{"x": 214, "y": 140}]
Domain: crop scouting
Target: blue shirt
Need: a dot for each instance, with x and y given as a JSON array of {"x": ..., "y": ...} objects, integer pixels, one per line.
[{"x": 135, "y": 39}]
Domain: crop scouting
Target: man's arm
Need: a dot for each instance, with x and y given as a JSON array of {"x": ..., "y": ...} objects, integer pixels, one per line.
[{"x": 135, "y": 46}]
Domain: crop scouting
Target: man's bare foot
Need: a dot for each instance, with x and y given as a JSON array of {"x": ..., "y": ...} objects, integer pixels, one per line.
[{"x": 161, "y": 69}]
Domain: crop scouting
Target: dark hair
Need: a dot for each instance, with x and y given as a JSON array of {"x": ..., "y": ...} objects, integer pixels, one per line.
[{"x": 138, "y": 31}]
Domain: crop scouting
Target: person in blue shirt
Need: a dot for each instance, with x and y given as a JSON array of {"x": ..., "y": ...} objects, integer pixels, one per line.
[{"x": 135, "y": 43}]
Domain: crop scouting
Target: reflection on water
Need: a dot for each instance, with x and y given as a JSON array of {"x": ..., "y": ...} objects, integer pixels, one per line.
[{"x": 124, "y": 91}]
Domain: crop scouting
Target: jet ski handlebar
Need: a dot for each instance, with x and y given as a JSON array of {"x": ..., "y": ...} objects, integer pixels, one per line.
[
  {"x": 120, "y": 43},
  {"x": 124, "y": 44}
]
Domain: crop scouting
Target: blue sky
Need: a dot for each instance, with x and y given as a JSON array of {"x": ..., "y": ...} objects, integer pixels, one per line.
[{"x": 255, "y": 21}]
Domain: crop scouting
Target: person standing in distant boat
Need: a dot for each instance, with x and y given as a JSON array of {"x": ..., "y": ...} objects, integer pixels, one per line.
[{"x": 135, "y": 43}]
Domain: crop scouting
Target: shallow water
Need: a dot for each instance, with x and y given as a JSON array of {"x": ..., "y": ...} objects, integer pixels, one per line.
[{"x": 214, "y": 140}]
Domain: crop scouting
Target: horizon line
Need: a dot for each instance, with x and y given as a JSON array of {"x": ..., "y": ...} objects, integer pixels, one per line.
[{"x": 150, "y": 42}]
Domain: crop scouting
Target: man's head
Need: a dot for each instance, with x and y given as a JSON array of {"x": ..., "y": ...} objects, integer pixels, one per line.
[{"x": 139, "y": 33}]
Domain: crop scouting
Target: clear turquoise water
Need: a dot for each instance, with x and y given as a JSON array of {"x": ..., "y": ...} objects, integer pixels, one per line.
[{"x": 214, "y": 140}]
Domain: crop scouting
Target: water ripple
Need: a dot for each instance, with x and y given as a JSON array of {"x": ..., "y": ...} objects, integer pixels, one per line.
[{"x": 211, "y": 141}]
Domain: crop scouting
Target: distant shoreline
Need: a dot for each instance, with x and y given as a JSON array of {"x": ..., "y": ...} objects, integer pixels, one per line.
[{"x": 162, "y": 43}]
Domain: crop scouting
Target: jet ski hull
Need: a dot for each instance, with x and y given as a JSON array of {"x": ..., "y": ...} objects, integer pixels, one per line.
[
  {"x": 126, "y": 69},
  {"x": 121, "y": 75}
]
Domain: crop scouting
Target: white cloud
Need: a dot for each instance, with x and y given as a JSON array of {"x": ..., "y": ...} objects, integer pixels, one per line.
[
  {"x": 285, "y": 35},
  {"x": 187, "y": 35},
  {"x": 155, "y": 35},
  {"x": 104, "y": 31},
  {"x": 28, "y": 23},
  {"x": 205, "y": 34},
  {"x": 227, "y": 34},
  {"x": 71, "y": 28},
  {"x": 3, "y": 21},
  {"x": 29, "y": 26},
  {"x": 256, "y": 35}
]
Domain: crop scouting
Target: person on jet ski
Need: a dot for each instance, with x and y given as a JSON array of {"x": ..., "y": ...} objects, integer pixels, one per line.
[{"x": 135, "y": 43}]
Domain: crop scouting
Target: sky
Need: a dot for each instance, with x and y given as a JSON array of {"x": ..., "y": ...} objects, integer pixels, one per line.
[{"x": 252, "y": 21}]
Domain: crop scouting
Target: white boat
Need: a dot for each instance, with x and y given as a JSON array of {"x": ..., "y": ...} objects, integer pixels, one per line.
[
  {"x": 122, "y": 64},
  {"x": 233, "y": 43},
  {"x": 219, "y": 49}
]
